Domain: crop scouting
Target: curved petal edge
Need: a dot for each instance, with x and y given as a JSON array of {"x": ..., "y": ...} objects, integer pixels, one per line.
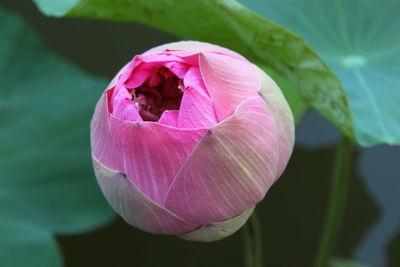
[
  {"x": 283, "y": 118},
  {"x": 132, "y": 205},
  {"x": 219, "y": 230},
  {"x": 231, "y": 168}
]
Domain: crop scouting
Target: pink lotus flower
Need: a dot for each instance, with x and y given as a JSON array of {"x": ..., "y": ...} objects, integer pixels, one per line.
[{"x": 188, "y": 138}]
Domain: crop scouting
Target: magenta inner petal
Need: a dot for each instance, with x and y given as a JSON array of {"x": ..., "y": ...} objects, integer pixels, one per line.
[
  {"x": 161, "y": 91},
  {"x": 164, "y": 88},
  {"x": 197, "y": 109}
]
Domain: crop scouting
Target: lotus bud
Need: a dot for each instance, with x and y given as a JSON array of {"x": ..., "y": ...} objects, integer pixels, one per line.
[{"x": 188, "y": 138}]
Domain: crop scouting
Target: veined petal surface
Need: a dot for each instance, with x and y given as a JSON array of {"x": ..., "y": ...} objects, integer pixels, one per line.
[
  {"x": 229, "y": 81},
  {"x": 231, "y": 168},
  {"x": 283, "y": 118},
  {"x": 197, "y": 108},
  {"x": 104, "y": 147},
  {"x": 137, "y": 209},
  {"x": 153, "y": 153},
  {"x": 148, "y": 152}
]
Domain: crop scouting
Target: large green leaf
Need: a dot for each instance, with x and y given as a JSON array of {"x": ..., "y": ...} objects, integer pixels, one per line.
[
  {"x": 228, "y": 23},
  {"x": 46, "y": 106},
  {"x": 360, "y": 41},
  {"x": 23, "y": 244},
  {"x": 46, "y": 183}
]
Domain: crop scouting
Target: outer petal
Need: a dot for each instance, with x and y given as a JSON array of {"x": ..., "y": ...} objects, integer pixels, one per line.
[
  {"x": 134, "y": 206},
  {"x": 283, "y": 118},
  {"x": 104, "y": 147},
  {"x": 197, "y": 47},
  {"x": 218, "y": 230},
  {"x": 152, "y": 153},
  {"x": 229, "y": 81},
  {"x": 231, "y": 168},
  {"x": 148, "y": 152}
]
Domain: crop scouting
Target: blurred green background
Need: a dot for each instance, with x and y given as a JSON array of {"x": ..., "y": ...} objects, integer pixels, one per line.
[{"x": 292, "y": 213}]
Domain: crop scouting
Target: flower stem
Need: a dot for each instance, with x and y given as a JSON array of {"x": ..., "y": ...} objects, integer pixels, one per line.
[
  {"x": 337, "y": 203},
  {"x": 252, "y": 242}
]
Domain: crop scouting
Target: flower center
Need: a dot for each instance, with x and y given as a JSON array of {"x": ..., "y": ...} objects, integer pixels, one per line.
[{"x": 161, "y": 91}]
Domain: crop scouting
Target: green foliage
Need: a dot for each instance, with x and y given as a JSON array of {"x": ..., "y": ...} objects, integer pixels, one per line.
[
  {"x": 230, "y": 24},
  {"x": 339, "y": 262},
  {"x": 24, "y": 244},
  {"x": 46, "y": 184},
  {"x": 360, "y": 41}
]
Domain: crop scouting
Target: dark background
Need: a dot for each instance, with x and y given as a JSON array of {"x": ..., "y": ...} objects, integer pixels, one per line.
[{"x": 291, "y": 214}]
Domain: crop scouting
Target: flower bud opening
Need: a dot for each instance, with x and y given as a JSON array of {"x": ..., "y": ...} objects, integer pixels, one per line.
[
  {"x": 197, "y": 144},
  {"x": 161, "y": 91}
]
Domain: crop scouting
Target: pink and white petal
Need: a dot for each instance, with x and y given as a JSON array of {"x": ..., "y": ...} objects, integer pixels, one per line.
[
  {"x": 153, "y": 153},
  {"x": 160, "y": 57},
  {"x": 138, "y": 76},
  {"x": 196, "y": 46},
  {"x": 169, "y": 117},
  {"x": 231, "y": 168},
  {"x": 218, "y": 230},
  {"x": 132, "y": 205},
  {"x": 194, "y": 79},
  {"x": 146, "y": 65},
  {"x": 125, "y": 110},
  {"x": 141, "y": 68},
  {"x": 169, "y": 56},
  {"x": 177, "y": 68},
  {"x": 283, "y": 118},
  {"x": 196, "y": 110},
  {"x": 104, "y": 147},
  {"x": 122, "y": 105},
  {"x": 228, "y": 81}
]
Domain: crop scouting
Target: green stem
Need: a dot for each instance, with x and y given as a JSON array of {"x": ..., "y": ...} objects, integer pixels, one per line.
[
  {"x": 337, "y": 203},
  {"x": 252, "y": 242}
]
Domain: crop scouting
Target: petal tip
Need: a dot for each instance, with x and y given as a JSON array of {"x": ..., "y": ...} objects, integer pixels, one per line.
[{"x": 219, "y": 230}]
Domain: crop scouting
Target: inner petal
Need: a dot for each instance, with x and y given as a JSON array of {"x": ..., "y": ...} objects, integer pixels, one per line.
[{"x": 161, "y": 91}]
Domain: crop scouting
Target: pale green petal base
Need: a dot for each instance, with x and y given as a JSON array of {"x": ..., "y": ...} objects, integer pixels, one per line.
[{"x": 218, "y": 230}]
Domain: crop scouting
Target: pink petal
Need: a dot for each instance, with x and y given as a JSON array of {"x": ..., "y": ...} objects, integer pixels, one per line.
[
  {"x": 138, "y": 76},
  {"x": 104, "y": 147},
  {"x": 137, "y": 209},
  {"x": 169, "y": 117},
  {"x": 143, "y": 66},
  {"x": 149, "y": 153},
  {"x": 161, "y": 57},
  {"x": 152, "y": 153},
  {"x": 193, "y": 79},
  {"x": 229, "y": 81},
  {"x": 123, "y": 106},
  {"x": 283, "y": 118},
  {"x": 195, "y": 46},
  {"x": 196, "y": 110},
  {"x": 177, "y": 68},
  {"x": 230, "y": 170}
]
